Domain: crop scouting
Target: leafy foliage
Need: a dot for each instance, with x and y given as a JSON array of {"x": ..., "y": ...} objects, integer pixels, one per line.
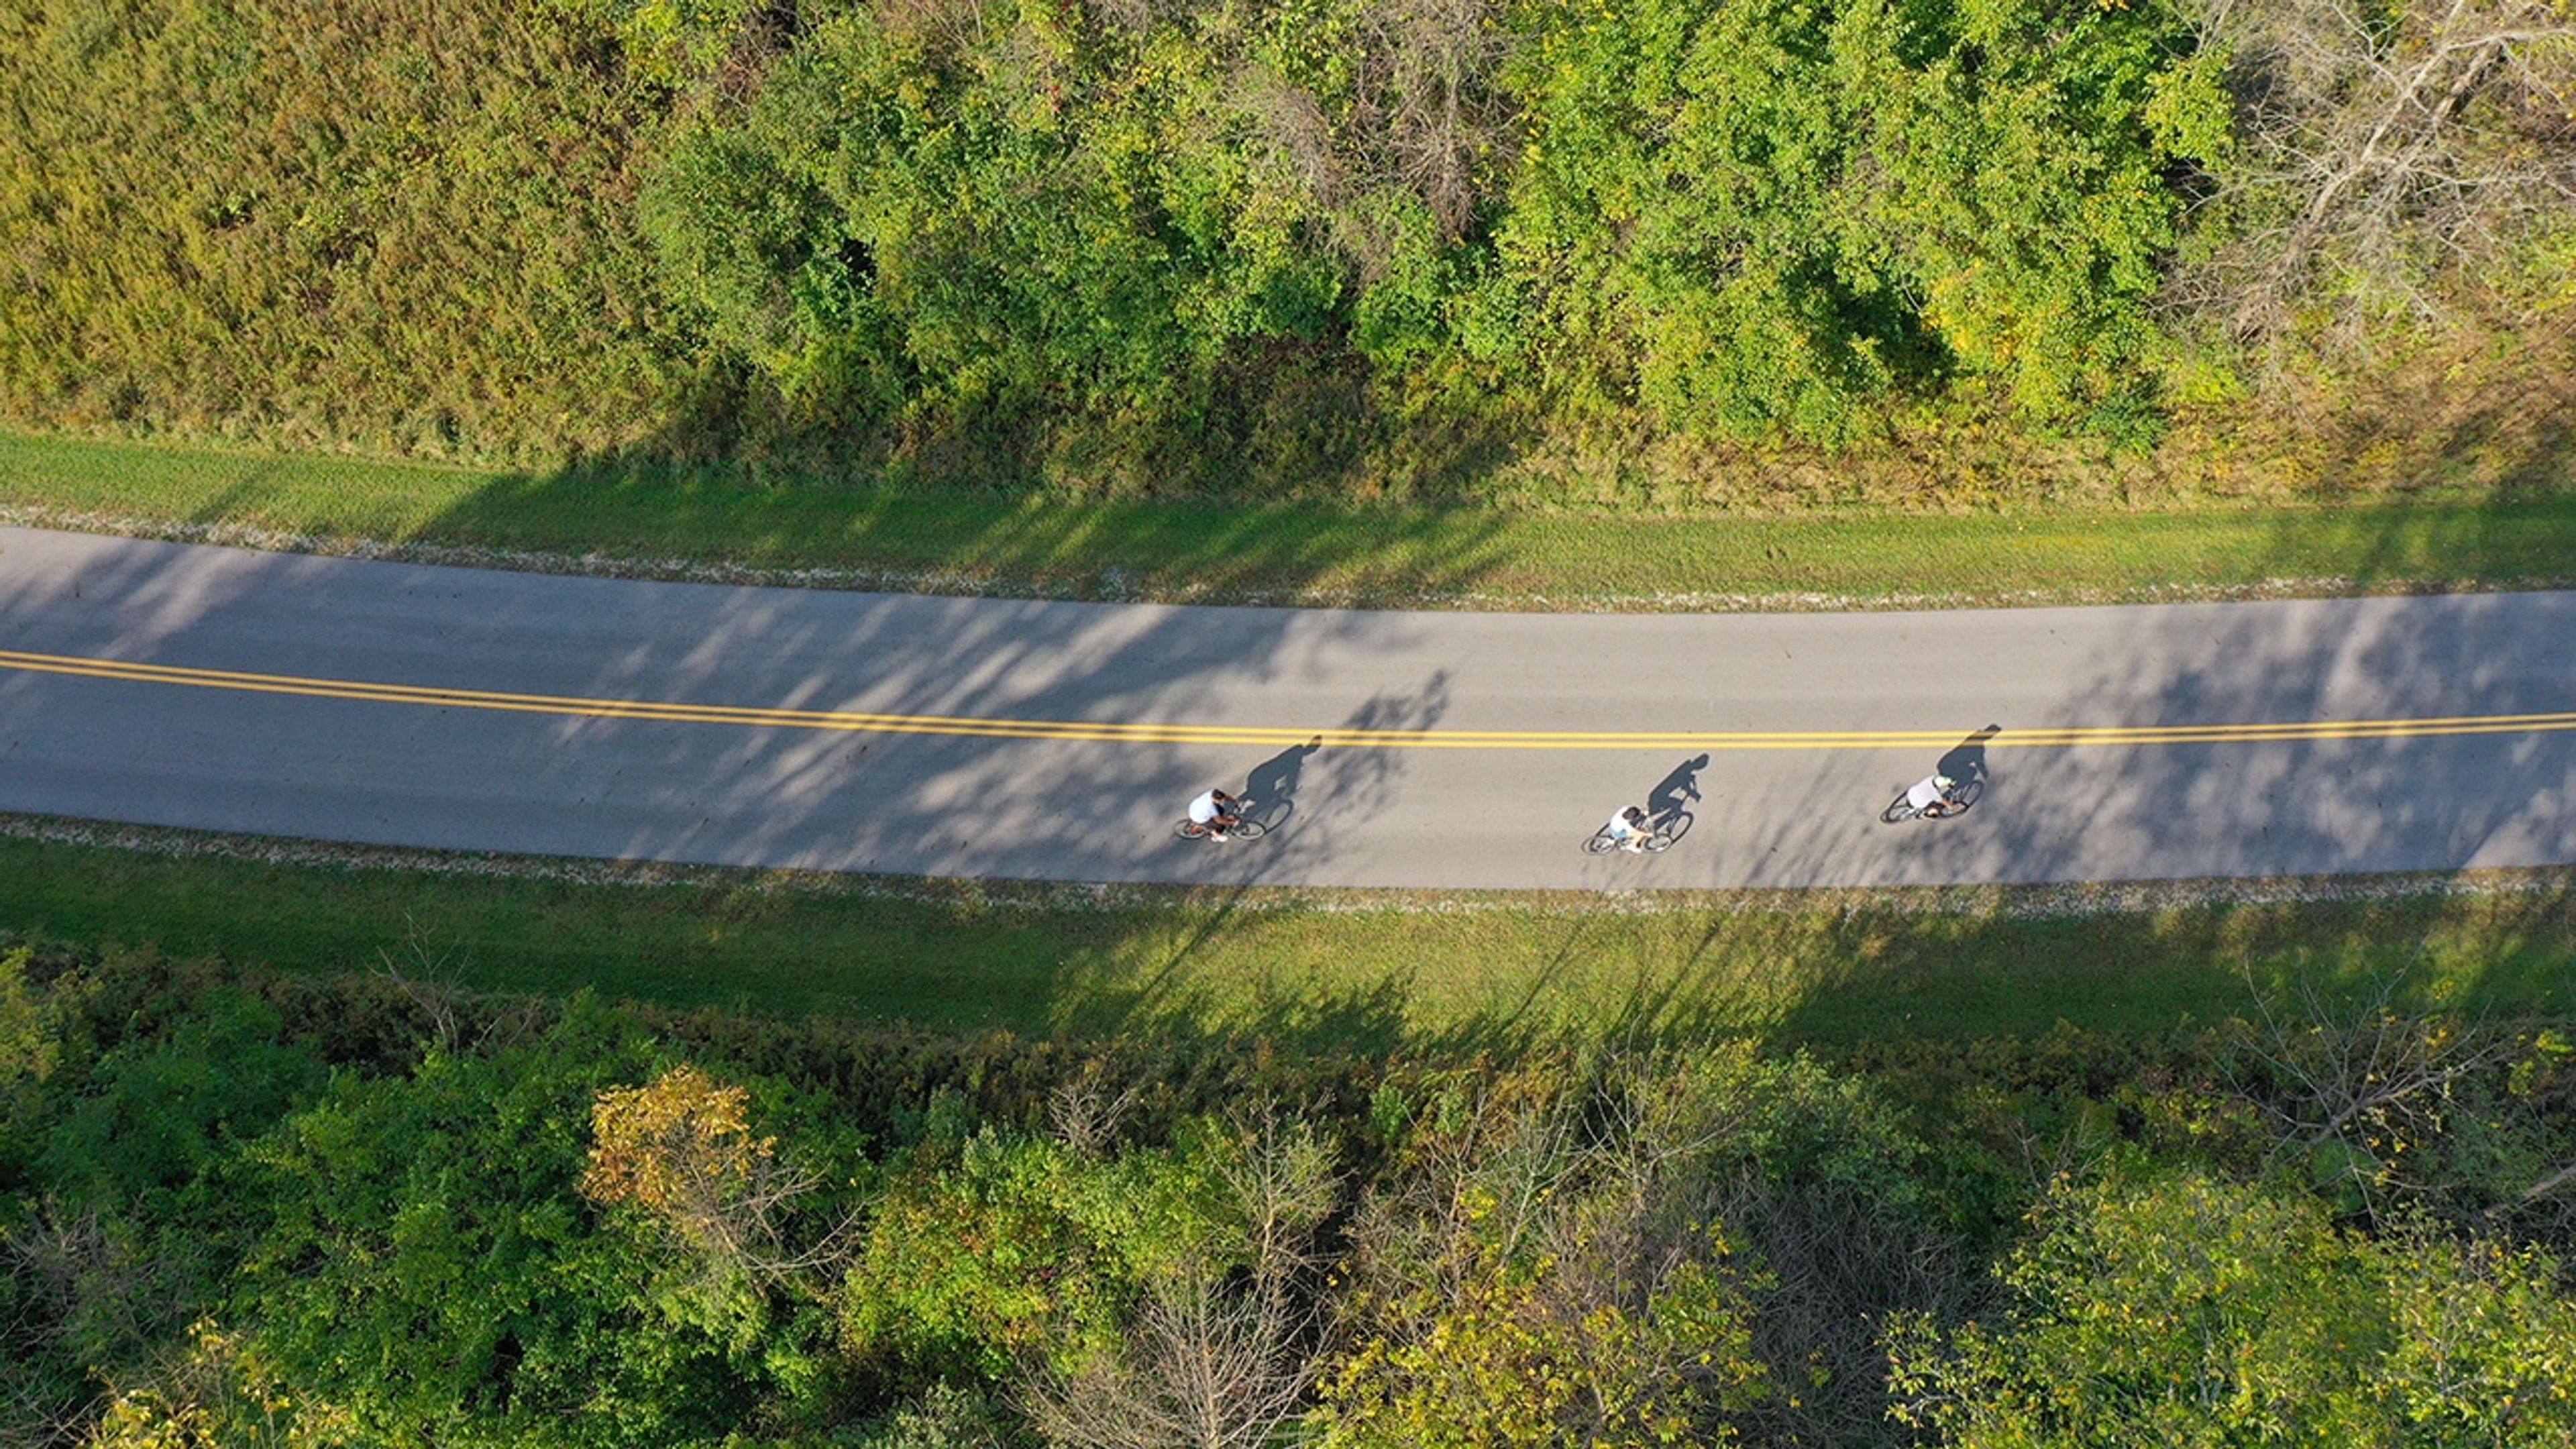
[
  {"x": 1785, "y": 210},
  {"x": 2185, "y": 1311},
  {"x": 1228, "y": 247},
  {"x": 420, "y": 1214},
  {"x": 27, "y": 1048},
  {"x": 1054, "y": 1245},
  {"x": 680, "y": 1148},
  {"x": 429, "y": 1265},
  {"x": 668, "y": 41}
]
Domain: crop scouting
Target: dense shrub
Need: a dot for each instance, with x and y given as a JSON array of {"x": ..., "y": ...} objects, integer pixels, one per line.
[
  {"x": 2182, "y": 1311},
  {"x": 1237, "y": 247}
]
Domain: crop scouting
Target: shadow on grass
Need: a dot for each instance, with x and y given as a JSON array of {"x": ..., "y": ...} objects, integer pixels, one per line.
[
  {"x": 969, "y": 539},
  {"x": 2497, "y": 421},
  {"x": 1491, "y": 976},
  {"x": 2458, "y": 460},
  {"x": 2510, "y": 953},
  {"x": 1291, "y": 486},
  {"x": 1831, "y": 980},
  {"x": 1829, "y": 977}
]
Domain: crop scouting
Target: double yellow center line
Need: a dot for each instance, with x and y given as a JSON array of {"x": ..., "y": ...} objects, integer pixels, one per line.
[{"x": 1263, "y": 736}]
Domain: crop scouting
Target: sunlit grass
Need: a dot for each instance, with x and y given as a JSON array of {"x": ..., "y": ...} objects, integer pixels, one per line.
[
  {"x": 1472, "y": 971},
  {"x": 1390, "y": 555}
]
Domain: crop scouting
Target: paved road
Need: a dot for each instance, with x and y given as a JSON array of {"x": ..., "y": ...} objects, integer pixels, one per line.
[{"x": 389, "y": 703}]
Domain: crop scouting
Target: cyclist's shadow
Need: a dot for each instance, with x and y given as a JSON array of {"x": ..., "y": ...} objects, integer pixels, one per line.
[
  {"x": 1670, "y": 800},
  {"x": 1966, "y": 761},
  {"x": 1270, "y": 790}
]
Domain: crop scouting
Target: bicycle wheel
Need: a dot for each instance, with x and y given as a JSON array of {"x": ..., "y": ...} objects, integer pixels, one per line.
[
  {"x": 1896, "y": 812},
  {"x": 1965, "y": 796},
  {"x": 1600, "y": 843},
  {"x": 1246, "y": 830},
  {"x": 1671, "y": 830},
  {"x": 1190, "y": 830}
]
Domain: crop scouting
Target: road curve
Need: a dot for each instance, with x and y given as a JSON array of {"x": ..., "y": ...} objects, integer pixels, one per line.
[{"x": 467, "y": 709}]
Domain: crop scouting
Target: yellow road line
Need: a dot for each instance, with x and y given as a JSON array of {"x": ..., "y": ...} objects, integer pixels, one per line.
[{"x": 1114, "y": 732}]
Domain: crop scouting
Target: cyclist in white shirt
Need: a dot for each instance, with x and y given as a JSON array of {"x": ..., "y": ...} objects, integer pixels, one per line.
[
  {"x": 1930, "y": 796},
  {"x": 1629, "y": 828},
  {"x": 1216, "y": 811}
]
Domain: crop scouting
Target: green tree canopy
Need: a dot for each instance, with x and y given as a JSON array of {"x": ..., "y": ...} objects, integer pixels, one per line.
[
  {"x": 1771, "y": 213},
  {"x": 432, "y": 1271},
  {"x": 2185, "y": 1311}
]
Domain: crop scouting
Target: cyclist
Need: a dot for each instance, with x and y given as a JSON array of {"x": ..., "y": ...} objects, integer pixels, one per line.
[
  {"x": 1216, "y": 813},
  {"x": 1629, "y": 829},
  {"x": 1931, "y": 797}
]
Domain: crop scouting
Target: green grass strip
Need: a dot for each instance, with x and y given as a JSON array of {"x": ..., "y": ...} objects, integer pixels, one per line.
[
  {"x": 1488, "y": 971},
  {"x": 662, "y": 520}
]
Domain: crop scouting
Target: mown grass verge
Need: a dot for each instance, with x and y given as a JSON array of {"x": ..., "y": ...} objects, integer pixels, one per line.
[
  {"x": 1362, "y": 971},
  {"x": 678, "y": 522}
]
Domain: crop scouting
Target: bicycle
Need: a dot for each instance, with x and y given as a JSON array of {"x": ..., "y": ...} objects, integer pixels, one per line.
[
  {"x": 1653, "y": 842},
  {"x": 1239, "y": 830},
  {"x": 1956, "y": 802}
]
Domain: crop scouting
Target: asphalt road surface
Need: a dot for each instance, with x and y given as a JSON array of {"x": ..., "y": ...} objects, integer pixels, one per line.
[{"x": 347, "y": 700}]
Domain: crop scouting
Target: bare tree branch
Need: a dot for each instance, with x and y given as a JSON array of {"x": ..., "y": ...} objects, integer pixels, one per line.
[
  {"x": 1218, "y": 1355},
  {"x": 2374, "y": 158},
  {"x": 2368, "y": 1076}
]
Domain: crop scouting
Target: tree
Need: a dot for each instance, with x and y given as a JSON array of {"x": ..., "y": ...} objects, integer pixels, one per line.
[
  {"x": 1056, "y": 1244},
  {"x": 2190, "y": 1312},
  {"x": 2376, "y": 149},
  {"x": 1537, "y": 1349},
  {"x": 1218, "y": 1352},
  {"x": 1543, "y": 1268},
  {"x": 143, "y": 1215},
  {"x": 680, "y": 1148},
  {"x": 1769, "y": 215},
  {"x": 430, "y": 1268},
  {"x": 955, "y": 214},
  {"x": 2362, "y": 1095}
]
